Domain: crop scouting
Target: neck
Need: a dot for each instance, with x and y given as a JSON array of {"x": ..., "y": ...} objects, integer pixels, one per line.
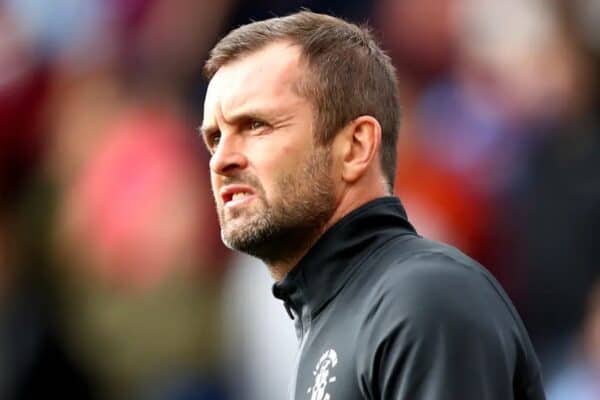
[{"x": 280, "y": 268}]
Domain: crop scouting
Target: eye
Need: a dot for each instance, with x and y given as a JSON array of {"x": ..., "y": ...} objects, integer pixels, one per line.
[
  {"x": 256, "y": 124},
  {"x": 212, "y": 140}
]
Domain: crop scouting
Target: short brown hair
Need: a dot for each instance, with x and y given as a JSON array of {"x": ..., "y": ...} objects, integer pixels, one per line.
[{"x": 350, "y": 74}]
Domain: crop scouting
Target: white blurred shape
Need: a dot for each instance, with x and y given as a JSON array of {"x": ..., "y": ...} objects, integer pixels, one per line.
[
  {"x": 496, "y": 31},
  {"x": 262, "y": 344}
]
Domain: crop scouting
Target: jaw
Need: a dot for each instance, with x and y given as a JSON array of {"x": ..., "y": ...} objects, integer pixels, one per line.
[
  {"x": 240, "y": 224},
  {"x": 274, "y": 238}
]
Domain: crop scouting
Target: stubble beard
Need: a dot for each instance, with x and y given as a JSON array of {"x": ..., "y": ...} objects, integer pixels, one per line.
[{"x": 279, "y": 231}]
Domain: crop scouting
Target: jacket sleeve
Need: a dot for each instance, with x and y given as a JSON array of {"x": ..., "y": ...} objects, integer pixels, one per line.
[{"x": 439, "y": 333}]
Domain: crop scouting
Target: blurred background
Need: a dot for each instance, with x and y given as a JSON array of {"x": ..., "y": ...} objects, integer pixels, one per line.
[{"x": 113, "y": 280}]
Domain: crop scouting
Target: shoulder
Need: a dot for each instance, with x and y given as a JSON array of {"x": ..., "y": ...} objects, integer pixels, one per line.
[
  {"x": 430, "y": 273},
  {"x": 425, "y": 285},
  {"x": 427, "y": 305}
]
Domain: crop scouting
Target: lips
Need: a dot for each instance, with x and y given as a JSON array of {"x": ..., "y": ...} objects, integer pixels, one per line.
[{"x": 231, "y": 194}]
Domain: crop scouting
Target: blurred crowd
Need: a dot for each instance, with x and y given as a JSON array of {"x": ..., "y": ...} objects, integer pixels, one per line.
[{"x": 113, "y": 280}]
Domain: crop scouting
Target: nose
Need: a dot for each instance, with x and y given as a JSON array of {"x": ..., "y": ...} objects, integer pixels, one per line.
[{"x": 228, "y": 156}]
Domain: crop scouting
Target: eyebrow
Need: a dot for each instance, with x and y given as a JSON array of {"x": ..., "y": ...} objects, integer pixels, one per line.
[
  {"x": 245, "y": 115},
  {"x": 251, "y": 114},
  {"x": 206, "y": 130}
]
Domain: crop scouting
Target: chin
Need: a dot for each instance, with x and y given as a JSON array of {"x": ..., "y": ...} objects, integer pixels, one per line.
[{"x": 237, "y": 238}]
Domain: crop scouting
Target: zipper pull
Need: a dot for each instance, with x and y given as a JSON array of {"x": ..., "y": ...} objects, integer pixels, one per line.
[{"x": 288, "y": 308}]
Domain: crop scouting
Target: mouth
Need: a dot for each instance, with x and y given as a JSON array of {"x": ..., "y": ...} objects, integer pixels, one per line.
[{"x": 236, "y": 195}]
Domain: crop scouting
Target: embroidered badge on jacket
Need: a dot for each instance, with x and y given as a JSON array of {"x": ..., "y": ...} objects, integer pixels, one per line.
[{"x": 328, "y": 361}]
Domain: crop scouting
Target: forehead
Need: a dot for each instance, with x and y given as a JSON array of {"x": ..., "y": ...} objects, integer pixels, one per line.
[{"x": 269, "y": 75}]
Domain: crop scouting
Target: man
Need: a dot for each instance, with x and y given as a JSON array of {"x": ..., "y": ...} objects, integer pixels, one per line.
[{"x": 301, "y": 120}]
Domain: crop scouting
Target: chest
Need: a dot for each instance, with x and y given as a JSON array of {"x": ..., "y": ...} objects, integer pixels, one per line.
[{"x": 327, "y": 365}]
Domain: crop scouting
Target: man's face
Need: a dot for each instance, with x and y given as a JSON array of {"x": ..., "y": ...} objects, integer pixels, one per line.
[{"x": 272, "y": 184}]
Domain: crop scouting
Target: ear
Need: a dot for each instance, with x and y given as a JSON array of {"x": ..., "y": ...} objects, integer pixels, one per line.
[{"x": 362, "y": 139}]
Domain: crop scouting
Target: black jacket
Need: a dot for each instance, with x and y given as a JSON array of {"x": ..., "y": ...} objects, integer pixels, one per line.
[{"x": 384, "y": 314}]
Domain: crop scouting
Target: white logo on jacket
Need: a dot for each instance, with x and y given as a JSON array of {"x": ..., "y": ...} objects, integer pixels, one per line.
[{"x": 328, "y": 361}]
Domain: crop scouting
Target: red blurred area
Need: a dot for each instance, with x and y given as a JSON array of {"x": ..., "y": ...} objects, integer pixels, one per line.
[
  {"x": 104, "y": 186},
  {"x": 139, "y": 210}
]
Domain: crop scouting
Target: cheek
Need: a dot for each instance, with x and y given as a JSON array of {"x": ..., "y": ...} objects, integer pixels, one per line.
[
  {"x": 285, "y": 153},
  {"x": 285, "y": 161},
  {"x": 275, "y": 158}
]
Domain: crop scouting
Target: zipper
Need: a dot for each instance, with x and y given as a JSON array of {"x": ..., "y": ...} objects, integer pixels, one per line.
[{"x": 304, "y": 336}]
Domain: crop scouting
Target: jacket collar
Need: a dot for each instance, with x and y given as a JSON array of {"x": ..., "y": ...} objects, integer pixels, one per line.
[{"x": 331, "y": 261}]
